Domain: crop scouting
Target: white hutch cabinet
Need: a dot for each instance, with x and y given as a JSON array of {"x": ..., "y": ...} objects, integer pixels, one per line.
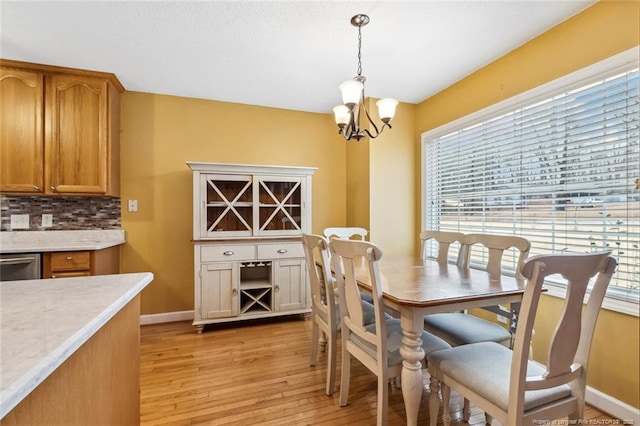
[{"x": 248, "y": 255}]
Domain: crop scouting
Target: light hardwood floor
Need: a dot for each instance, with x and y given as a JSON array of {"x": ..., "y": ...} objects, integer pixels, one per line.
[{"x": 257, "y": 373}]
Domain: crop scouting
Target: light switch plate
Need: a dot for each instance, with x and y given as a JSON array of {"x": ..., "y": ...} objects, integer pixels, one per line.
[
  {"x": 133, "y": 206},
  {"x": 19, "y": 221}
]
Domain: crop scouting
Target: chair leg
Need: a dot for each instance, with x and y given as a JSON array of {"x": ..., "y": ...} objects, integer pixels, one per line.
[
  {"x": 466, "y": 410},
  {"x": 314, "y": 343},
  {"x": 323, "y": 342},
  {"x": 446, "y": 410},
  {"x": 345, "y": 376},
  {"x": 383, "y": 398},
  {"x": 331, "y": 362},
  {"x": 434, "y": 401}
]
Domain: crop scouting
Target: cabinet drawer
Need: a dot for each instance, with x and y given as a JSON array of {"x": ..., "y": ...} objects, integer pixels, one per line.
[
  {"x": 280, "y": 251},
  {"x": 70, "y": 274},
  {"x": 70, "y": 261},
  {"x": 228, "y": 252}
]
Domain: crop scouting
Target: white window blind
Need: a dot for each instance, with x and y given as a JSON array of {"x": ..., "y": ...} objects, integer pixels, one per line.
[{"x": 559, "y": 168}]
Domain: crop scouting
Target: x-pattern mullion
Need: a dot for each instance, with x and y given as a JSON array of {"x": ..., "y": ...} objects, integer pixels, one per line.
[
  {"x": 229, "y": 205},
  {"x": 279, "y": 205}
]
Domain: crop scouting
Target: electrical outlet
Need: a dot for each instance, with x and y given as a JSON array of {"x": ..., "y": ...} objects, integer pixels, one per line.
[
  {"x": 47, "y": 220},
  {"x": 19, "y": 221}
]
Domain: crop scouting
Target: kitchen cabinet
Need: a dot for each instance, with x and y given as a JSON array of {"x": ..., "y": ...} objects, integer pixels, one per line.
[
  {"x": 64, "y": 264},
  {"x": 248, "y": 256},
  {"x": 60, "y": 130}
]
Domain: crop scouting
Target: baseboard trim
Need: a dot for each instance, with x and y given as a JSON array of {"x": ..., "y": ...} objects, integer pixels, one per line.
[
  {"x": 594, "y": 397},
  {"x": 616, "y": 408},
  {"x": 166, "y": 317}
]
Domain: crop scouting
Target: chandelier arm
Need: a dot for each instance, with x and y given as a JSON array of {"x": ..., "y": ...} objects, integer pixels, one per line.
[
  {"x": 369, "y": 118},
  {"x": 379, "y": 133}
]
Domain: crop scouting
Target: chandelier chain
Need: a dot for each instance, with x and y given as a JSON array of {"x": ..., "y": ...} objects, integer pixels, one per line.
[{"x": 359, "y": 50}]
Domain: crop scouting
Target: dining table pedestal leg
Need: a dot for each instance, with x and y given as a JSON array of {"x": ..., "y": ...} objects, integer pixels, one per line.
[{"x": 412, "y": 355}]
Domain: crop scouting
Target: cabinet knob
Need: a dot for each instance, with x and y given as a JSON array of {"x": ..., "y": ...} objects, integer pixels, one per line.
[
  {"x": 228, "y": 253},
  {"x": 234, "y": 291},
  {"x": 53, "y": 188},
  {"x": 53, "y": 276},
  {"x": 282, "y": 251},
  {"x": 69, "y": 258},
  {"x": 36, "y": 188},
  {"x": 277, "y": 287}
]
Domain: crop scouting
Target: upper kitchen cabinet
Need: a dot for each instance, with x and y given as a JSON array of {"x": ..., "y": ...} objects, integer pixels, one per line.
[
  {"x": 60, "y": 130},
  {"x": 21, "y": 131}
]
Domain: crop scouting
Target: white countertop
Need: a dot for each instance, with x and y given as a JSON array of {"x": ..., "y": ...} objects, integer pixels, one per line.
[
  {"x": 45, "y": 241},
  {"x": 43, "y": 322}
]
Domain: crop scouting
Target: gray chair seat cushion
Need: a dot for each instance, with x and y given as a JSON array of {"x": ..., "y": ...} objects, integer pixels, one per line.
[
  {"x": 430, "y": 343},
  {"x": 461, "y": 329},
  {"x": 485, "y": 367},
  {"x": 368, "y": 313},
  {"x": 367, "y": 297}
]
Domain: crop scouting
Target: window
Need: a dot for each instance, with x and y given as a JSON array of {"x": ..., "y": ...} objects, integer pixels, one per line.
[{"x": 558, "y": 165}]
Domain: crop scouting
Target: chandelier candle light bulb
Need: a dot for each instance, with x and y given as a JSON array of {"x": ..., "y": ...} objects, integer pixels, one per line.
[{"x": 347, "y": 116}]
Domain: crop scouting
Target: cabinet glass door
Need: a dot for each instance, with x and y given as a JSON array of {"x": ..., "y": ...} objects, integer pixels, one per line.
[
  {"x": 228, "y": 207},
  {"x": 280, "y": 205}
]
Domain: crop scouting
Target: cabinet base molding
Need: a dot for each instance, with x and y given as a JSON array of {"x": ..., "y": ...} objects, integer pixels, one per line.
[
  {"x": 302, "y": 313},
  {"x": 166, "y": 317}
]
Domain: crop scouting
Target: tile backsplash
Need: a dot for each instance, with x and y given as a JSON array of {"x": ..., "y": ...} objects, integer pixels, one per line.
[{"x": 69, "y": 213}]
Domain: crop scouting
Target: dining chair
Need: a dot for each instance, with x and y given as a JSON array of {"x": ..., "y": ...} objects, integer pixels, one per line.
[
  {"x": 377, "y": 345},
  {"x": 345, "y": 233},
  {"x": 505, "y": 383},
  {"x": 460, "y": 328},
  {"x": 324, "y": 305}
]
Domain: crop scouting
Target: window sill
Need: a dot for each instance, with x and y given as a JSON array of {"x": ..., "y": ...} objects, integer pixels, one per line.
[{"x": 609, "y": 303}]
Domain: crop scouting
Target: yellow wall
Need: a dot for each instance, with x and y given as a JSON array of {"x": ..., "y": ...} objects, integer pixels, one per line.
[
  {"x": 160, "y": 133},
  {"x": 381, "y": 184},
  {"x": 393, "y": 204},
  {"x": 606, "y": 28}
]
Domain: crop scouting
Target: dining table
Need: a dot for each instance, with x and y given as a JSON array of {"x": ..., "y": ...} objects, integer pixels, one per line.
[{"x": 416, "y": 287}]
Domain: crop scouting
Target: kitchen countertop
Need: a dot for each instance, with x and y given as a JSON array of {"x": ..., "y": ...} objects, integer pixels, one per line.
[
  {"x": 45, "y": 241},
  {"x": 37, "y": 336}
]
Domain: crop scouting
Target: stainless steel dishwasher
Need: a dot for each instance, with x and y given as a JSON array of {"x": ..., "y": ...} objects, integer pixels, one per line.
[{"x": 20, "y": 266}]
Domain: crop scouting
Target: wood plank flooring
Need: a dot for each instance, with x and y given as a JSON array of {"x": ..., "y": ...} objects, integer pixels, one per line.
[{"x": 258, "y": 373}]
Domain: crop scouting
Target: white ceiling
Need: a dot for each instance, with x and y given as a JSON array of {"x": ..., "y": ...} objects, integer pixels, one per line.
[{"x": 284, "y": 54}]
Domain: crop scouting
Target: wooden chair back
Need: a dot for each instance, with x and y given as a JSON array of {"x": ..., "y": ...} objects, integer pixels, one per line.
[
  {"x": 495, "y": 245},
  {"x": 316, "y": 250},
  {"x": 345, "y": 233},
  {"x": 347, "y": 257},
  {"x": 570, "y": 343},
  {"x": 444, "y": 239}
]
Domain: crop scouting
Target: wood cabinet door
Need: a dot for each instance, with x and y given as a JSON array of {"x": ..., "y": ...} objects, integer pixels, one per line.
[
  {"x": 218, "y": 290},
  {"x": 290, "y": 285},
  {"x": 21, "y": 131},
  {"x": 76, "y": 135},
  {"x": 280, "y": 205}
]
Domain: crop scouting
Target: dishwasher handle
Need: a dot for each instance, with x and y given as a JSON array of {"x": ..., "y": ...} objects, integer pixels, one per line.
[{"x": 17, "y": 260}]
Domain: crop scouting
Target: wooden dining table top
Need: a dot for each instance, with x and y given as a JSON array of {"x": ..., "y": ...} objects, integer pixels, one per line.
[{"x": 412, "y": 281}]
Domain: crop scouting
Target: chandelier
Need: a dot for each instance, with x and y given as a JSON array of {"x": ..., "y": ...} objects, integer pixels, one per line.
[{"x": 347, "y": 116}]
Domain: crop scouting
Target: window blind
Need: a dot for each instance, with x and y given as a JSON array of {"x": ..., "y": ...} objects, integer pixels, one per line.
[{"x": 559, "y": 170}]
